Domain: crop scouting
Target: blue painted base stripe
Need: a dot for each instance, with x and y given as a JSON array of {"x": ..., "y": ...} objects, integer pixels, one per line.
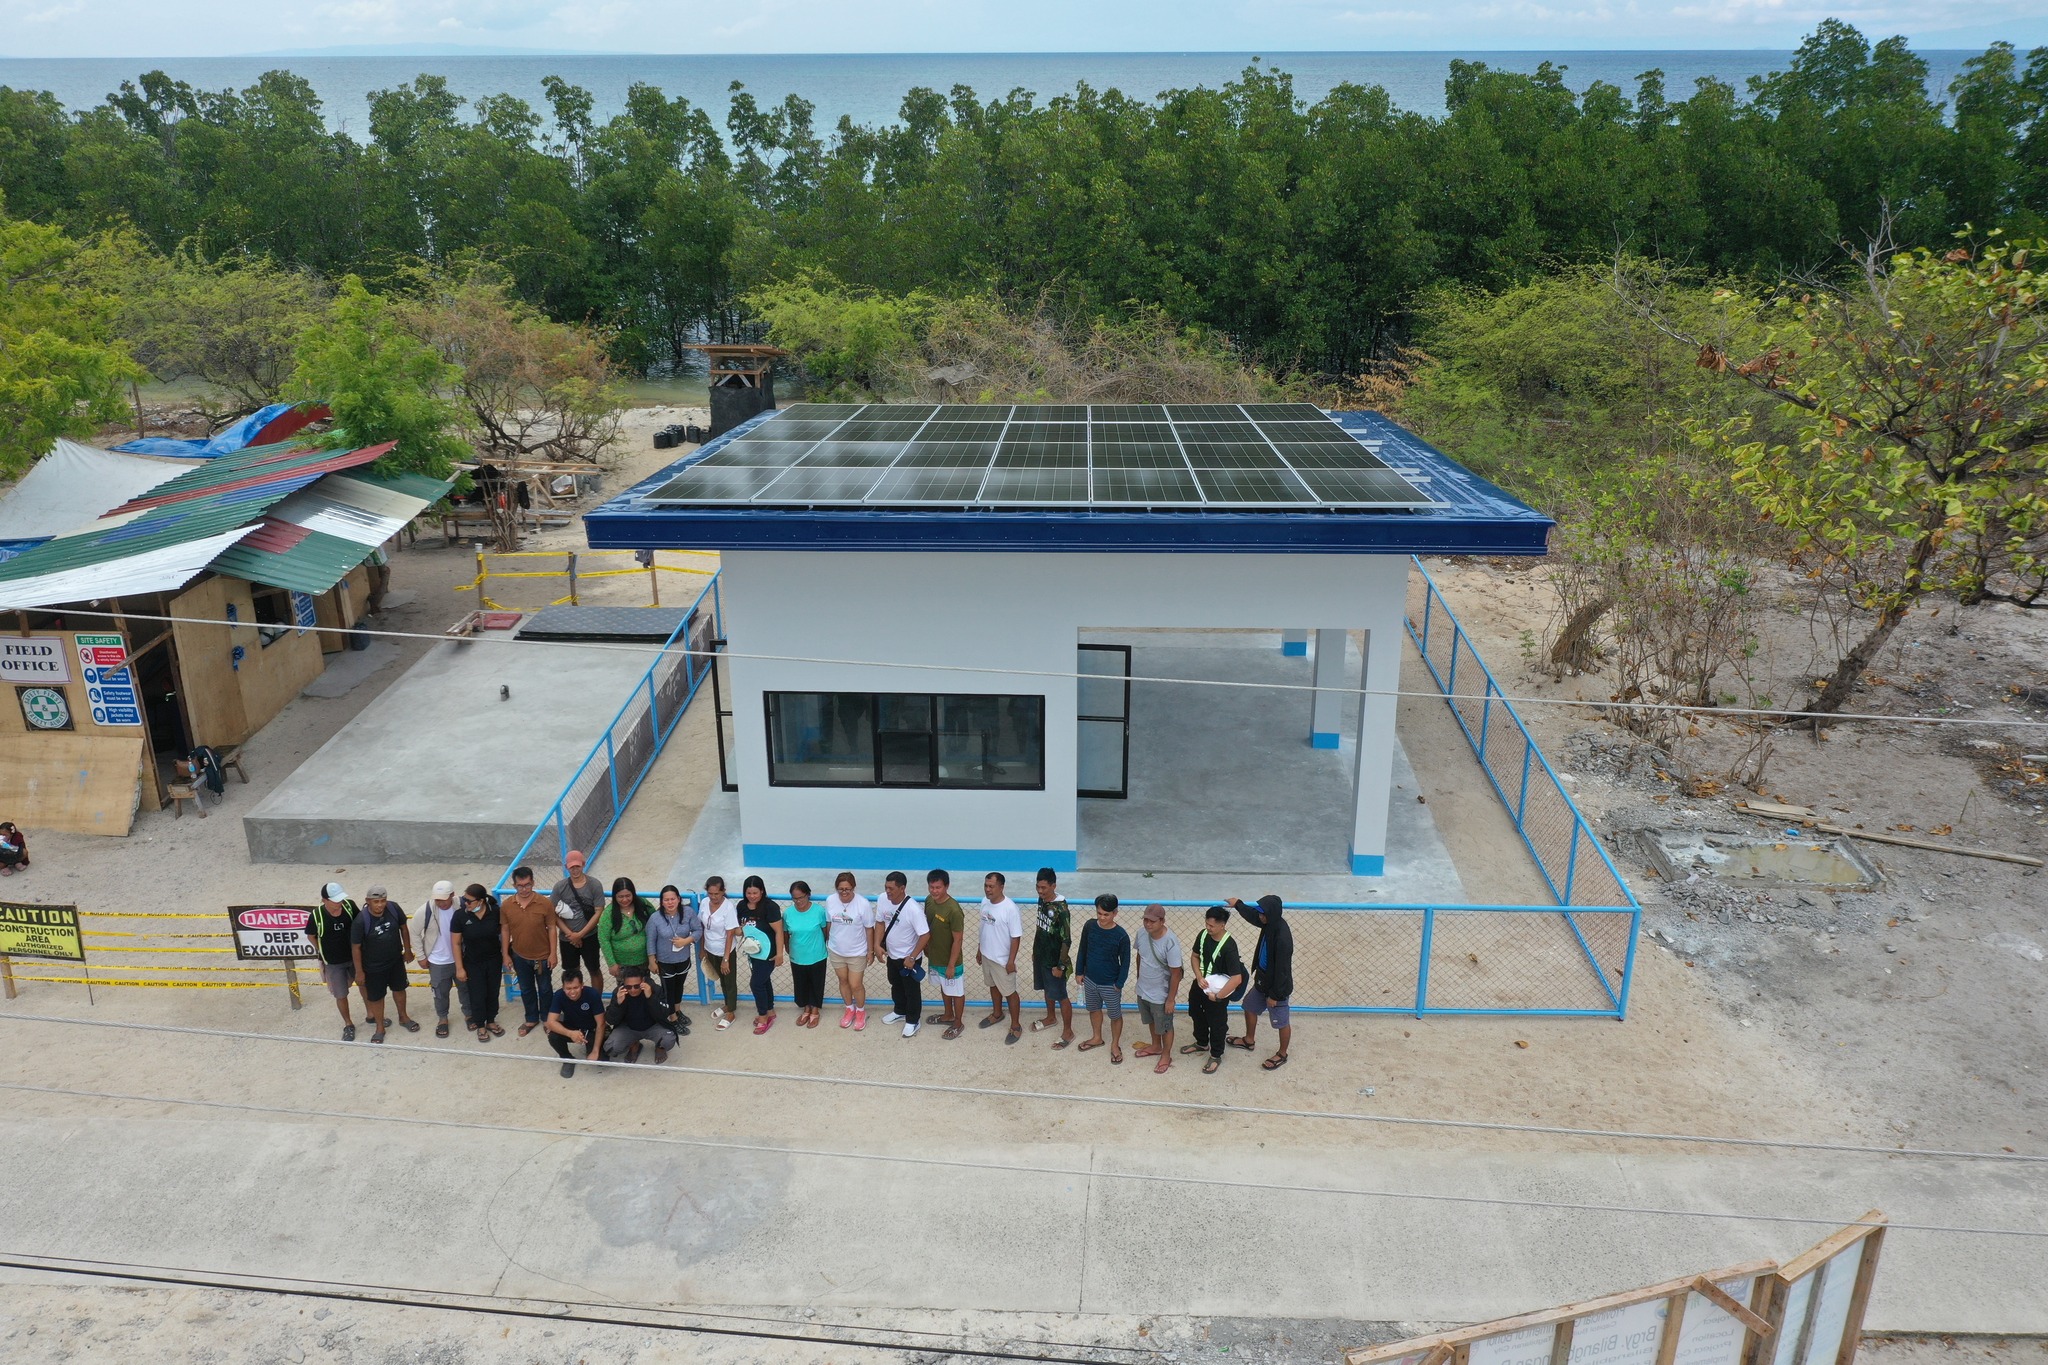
[
  {"x": 1368, "y": 865},
  {"x": 1294, "y": 648},
  {"x": 915, "y": 861},
  {"x": 1321, "y": 740}
]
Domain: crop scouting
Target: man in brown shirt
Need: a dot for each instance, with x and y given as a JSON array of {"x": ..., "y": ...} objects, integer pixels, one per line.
[{"x": 527, "y": 920}]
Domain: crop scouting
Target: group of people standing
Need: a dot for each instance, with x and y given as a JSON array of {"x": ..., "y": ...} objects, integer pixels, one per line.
[{"x": 472, "y": 941}]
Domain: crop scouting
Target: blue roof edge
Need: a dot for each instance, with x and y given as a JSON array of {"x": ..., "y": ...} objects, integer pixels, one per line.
[{"x": 1481, "y": 519}]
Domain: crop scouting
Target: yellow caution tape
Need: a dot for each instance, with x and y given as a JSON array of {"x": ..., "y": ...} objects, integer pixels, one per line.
[
  {"x": 135, "y": 933},
  {"x": 170, "y": 950},
  {"x": 143, "y": 914},
  {"x": 186, "y": 985},
  {"x": 249, "y": 965}
]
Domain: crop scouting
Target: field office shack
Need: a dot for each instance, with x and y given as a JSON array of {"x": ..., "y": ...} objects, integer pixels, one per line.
[{"x": 905, "y": 588}]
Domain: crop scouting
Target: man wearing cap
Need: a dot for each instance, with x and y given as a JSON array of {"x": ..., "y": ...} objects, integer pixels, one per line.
[
  {"x": 1159, "y": 971},
  {"x": 437, "y": 950},
  {"x": 330, "y": 926},
  {"x": 528, "y": 924},
  {"x": 382, "y": 945},
  {"x": 578, "y": 897}
]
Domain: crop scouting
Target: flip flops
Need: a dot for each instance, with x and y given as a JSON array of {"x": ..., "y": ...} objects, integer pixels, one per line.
[
  {"x": 1274, "y": 1062},
  {"x": 1244, "y": 1043},
  {"x": 441, "y": 1029},
  {"x": 1088, "y": 1046},
  {"x": 409, "y": 1025}
]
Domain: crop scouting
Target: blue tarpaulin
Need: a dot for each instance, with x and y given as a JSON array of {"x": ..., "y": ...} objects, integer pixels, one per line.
[{"x": 277, "y": 422}]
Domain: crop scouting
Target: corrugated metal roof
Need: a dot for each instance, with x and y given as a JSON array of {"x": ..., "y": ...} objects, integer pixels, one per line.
[
  {"x": 312, "y": 539},
  {"x": 164, "y": 568},
  {"x": 281, "y": 468},
  {"x": 313, "y": 564}
]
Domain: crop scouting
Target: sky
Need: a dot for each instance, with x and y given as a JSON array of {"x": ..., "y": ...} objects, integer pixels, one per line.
[{"x": 186, "y": 28}]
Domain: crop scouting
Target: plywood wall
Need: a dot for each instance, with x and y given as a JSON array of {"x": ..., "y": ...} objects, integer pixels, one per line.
[
  {"x": 230, "y": 700},
  {"x": 82, "y": 784}
]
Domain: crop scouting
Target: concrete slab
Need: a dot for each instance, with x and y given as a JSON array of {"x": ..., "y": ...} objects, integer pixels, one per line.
[
  {"x": 446, "y": 764},
  {"x": 350, "y": 669},
  {"x": 1050, "y": 1227}
]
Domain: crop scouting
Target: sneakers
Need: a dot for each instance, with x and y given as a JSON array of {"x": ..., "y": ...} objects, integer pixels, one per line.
[
  {"x": 910, "y": 1030},
  {"x": 860, "y": 1020},
  {"x": 568, "y": 1068},
  {"x": 846, "y": 1018},
  {"x": 893, "y": 1017}
]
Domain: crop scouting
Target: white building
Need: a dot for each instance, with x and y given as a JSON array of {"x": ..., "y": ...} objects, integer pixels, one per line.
[{"x": 905, "y": 590}]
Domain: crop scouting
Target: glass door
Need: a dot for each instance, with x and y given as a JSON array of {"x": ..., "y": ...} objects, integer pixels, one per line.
[{"x": 1103, "y": 699}]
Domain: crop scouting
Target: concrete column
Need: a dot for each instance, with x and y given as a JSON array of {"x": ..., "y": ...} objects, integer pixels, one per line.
[
  {"x": 1294, "y": 643},
  {"x": 1373, "y": 781},
  {"x": 1326, "y": 718}
]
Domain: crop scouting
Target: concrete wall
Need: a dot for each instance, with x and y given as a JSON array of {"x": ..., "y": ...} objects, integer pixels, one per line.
[{"x": 1004, "y": 612}]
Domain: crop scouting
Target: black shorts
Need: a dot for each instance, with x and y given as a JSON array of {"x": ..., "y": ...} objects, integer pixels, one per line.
[{"x": 379, "y": 978}]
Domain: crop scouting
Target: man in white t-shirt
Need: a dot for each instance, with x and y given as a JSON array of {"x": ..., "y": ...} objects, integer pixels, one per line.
[
  {"x": 904, "y": 931},
  {"x": 850, "y": 944},
  {"x": 1002, "y": 930},
  {"x": 437, "y": 950}
]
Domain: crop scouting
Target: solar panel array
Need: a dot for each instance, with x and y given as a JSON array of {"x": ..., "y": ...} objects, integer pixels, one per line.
[{"x": 1181, "y": 456}]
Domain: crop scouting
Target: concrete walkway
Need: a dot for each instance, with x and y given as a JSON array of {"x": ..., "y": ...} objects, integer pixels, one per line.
[{"x": 604, "y": 1220}]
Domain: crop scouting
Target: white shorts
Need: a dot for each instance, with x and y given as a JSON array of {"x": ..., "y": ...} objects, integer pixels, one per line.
[{"x": 952, "y": 987}]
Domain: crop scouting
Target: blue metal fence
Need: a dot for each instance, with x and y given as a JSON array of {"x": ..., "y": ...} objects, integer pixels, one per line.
[
  {"x": 591, "y": 805},
  {"x": 1572, "y": 958}
]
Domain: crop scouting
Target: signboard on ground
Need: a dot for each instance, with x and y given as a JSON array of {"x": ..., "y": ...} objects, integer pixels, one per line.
[
  {"x": 34, "y": 659},
  {"x": 46, "y": 931},
  {"x": 270, "y": 933},
  {"x": 109, "y": 682}
]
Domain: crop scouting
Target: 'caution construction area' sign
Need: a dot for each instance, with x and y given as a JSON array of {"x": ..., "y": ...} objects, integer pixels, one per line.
[
  {"x": 270, "y": 932},
  {"x": 47, "y": 931}
]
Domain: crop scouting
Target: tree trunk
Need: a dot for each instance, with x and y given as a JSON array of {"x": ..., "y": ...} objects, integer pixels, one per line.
[
  {"x": 1573, "y": 648},
  {"x": 1855, "y": 664}
]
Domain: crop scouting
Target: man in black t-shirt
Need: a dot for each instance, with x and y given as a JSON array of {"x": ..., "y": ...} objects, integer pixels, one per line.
[
  {"x": 636, "y": 1016},
  {"x": 575, "y": 1020},
  {"x": 383, "y": 945},
  {"x": 330, "y": 926}
]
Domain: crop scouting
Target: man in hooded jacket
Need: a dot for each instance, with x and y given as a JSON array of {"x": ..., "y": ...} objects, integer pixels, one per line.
[{"x": 1272, "y": 976}]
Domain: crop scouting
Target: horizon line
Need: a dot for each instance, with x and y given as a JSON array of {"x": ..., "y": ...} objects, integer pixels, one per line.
[{"x": 346, "y": 51}]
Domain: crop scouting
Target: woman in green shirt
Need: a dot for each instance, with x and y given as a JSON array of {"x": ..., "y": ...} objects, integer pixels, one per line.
[
  {"x": 803, "y": 927},
  {"x": 622, "y": 928}
]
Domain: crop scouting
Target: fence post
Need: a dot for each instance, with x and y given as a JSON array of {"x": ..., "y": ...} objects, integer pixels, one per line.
[
  {"x": 1428, "y": 601},
  {"x": 291, "y": 982},
  {"x": 561, "y": 833},
  {"x": 1422, "y": 966},
  {"x": 1451, "y": 684},
  {"x": 653, "y": 578},
  {"x": 1571, "y": 862},
  {"x": 611, "y": 763},
  {"x": 481, "y": 573},
  {"x": 572, "y": 579},
  {"x": 1528, "y": 758},
  {"x": 7, "y": 974},
  {"x": 1485, "y": 718},
  {"x": 654, "y": 710}
]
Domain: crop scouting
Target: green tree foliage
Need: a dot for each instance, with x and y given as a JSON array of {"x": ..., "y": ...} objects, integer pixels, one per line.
[
  {"x": 61, "y": 371},
  {"x": 1300, "y": 230},
  {"x": 850, "y": 343},
  {"x": 1920, "y": 463},
  {"x": 233, "y": 325},
  {"x": 381, "y": 382}
]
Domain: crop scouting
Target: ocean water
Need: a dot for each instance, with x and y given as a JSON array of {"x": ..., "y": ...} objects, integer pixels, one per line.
[{"x": 869, "y": 88}]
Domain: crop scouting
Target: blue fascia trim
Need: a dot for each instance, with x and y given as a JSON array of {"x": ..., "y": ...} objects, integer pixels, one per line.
[
  {"x": 914, "y": 860},
  {"x": 1322, "y": 739},
  {"x": 1368, "y": 865},
  {"x": 1294, "y": 649}
]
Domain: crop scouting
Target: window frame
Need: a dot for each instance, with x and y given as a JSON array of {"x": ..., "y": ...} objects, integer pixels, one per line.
[{"x": 771, "y": 707}]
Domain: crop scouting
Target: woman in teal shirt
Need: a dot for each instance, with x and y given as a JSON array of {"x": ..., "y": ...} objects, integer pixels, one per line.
[{"x": 804, "y": 926}]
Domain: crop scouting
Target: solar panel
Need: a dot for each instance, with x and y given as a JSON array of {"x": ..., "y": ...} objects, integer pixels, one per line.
[{"x": 1187, "y": 456}]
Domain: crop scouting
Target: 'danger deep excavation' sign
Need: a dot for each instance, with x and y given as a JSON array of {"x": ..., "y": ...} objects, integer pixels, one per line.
[{"x": 273, "y": 932}]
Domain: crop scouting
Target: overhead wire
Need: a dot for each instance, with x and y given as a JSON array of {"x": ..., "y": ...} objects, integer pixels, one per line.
[
  {"x": 927, "y": 1160},
  {"x": 557, "y": 1310},
  {"x": 1715, "y": 712},
  {"x": 1124, "y": 1101}
]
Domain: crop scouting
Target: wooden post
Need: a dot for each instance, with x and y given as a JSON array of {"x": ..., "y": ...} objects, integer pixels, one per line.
[
  {"x": 135, "y": 392},
  {"x": 1674, "y": 1319},
  {"x": 7, "y": 975},
  {"x": 291, "y": 981},
  {"x": 654, "y": 579},
  {"x": 1561, "y": 1342},
  {"x": 1859, "y": 1298},
  {"x": 480, "y": 578},
  {"x": 572, "y": 579}
]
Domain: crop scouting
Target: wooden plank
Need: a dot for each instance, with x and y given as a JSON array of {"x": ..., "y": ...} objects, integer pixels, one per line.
[
  {"x": 1733, "y": 1307},
  {"x": 1561, "y": 1343},
  {"x": 1871, "y": 836},
  {"x": 1772, "y": 810},
  {"x": 1674, "y": 1321},
  {"x": 1587, "y": 1307},
  {"x": 78, "y": 783},
  {"x": 1859, "y": 1299},
  {"x": 1768, "y": 1300},
  {"x": 1829, "y": 1247}
]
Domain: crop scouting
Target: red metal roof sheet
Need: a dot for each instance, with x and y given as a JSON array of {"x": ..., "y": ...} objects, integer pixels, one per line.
[{"x": 345, "y": 459}]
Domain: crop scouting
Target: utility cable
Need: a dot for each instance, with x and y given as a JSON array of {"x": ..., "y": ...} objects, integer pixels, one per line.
[
  {"x": 1713, "y": 712},
  {"x": 926, "y": 1161},
  {"x": 988, "y": 1092},
  {"x": 507, "y": 1306}
]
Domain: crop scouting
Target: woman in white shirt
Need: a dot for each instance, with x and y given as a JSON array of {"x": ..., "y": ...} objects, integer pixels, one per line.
[
  {"x": 850, "y": 943},
  {"x": 721, "y": 942}
]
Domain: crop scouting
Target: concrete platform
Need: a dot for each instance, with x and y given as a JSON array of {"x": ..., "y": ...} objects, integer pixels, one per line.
[{"x": 442, "y": 765}]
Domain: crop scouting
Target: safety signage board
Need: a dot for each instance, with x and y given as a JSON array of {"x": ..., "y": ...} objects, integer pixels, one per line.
[
  {"x": 35, "y": 659},
  {"x": 109, "y": 682},
  {"x": 271, "y": 932},
  {"x": 304, "y": 614},
  {"x": 49, "y": 931}
]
